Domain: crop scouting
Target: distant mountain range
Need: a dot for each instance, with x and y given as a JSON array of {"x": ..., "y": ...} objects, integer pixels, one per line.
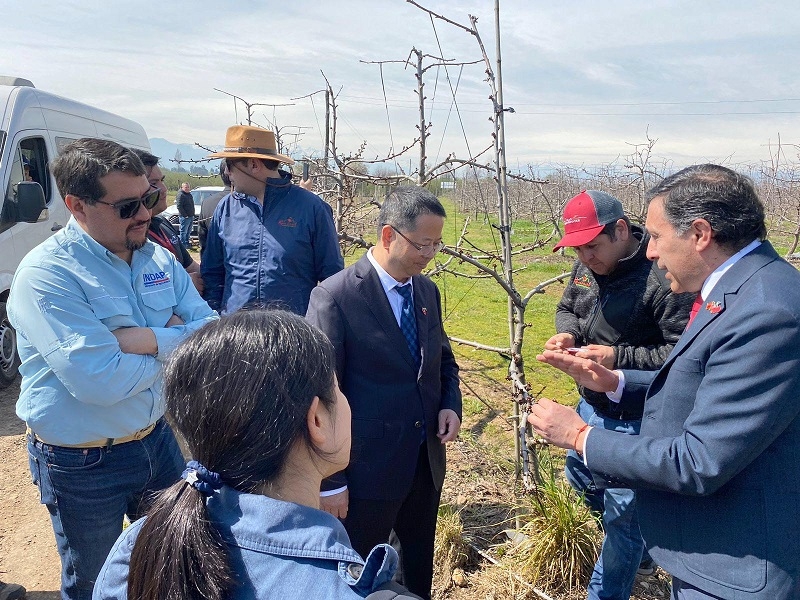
[{"x": 166, "y": 151}]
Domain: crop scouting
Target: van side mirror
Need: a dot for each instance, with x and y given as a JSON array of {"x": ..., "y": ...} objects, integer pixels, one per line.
[{"x": 31, "y": 206}]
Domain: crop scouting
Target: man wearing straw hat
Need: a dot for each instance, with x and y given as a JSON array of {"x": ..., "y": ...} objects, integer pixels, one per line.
[{"x": 269, "y": 242}]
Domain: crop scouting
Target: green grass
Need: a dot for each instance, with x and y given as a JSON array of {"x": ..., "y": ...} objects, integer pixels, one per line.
[{"x": 477, "y": 309}]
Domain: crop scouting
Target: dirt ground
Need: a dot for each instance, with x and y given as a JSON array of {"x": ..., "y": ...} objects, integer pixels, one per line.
[
  {"x": 27, "y": 547},
  {"x": 475, "y": 485}
]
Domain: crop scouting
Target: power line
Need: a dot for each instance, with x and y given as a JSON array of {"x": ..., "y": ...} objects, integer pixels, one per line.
[
  {"x": 411, "y": 105},
  {"x": 355, "y": 98}
]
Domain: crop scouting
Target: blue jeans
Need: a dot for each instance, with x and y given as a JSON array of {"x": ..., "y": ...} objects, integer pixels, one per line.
[
  {"x": 623, "y": 547},
  {"x": 88, "y": 491},
  {"x": 186, "y": 229}
]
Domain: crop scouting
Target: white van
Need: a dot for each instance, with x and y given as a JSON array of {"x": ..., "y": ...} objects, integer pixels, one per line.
[{"x": 34, "y": 127}]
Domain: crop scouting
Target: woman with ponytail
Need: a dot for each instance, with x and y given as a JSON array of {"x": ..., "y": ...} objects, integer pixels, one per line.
[{"x": 255, "y": 397}]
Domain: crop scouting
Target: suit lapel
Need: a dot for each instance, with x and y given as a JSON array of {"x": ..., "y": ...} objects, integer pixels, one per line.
[
  {"x": 371, "y": 291},
  {"x": 714, "y": 305},
  {"x": 422, "y": 309}
]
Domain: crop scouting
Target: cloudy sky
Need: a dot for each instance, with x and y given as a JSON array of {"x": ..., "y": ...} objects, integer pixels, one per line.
[{"x": 711, "y": 80}]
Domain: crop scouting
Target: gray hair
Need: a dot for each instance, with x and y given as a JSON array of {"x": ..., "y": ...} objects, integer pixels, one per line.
[{"x": 721, "y": 196}]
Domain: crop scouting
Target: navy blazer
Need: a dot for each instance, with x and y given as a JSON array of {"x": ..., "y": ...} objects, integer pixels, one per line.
[
  {"x": 390, "y": 400},
  {"x": 717, "y": 462}
]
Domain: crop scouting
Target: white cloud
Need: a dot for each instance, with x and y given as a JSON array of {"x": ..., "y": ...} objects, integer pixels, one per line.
[{"x": 585, "y": 77}]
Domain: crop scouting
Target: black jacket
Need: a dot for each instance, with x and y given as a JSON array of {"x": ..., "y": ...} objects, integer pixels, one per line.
[
  {"x": 185, "y": 204},
  {"x": 631, "y": 309}
]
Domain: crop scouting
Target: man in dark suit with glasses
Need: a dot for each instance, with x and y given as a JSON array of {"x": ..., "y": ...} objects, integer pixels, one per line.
[{"x": 395, "y": 365}]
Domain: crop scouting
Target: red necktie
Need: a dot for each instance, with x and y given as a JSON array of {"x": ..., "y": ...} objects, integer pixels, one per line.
[{"x": 698, "y": 302}]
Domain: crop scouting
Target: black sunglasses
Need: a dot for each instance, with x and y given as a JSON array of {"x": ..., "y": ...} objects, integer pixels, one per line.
[{"x": 128, "y": 207}]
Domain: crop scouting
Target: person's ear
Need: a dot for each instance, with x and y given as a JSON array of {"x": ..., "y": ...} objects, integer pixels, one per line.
[
  {"x": 701, "y": 231},
  {"x": 318, "y": 423},
  {"x": 387, "y": 235},
  {"x": 76, "y": 206},
  {"x": 622, "y": 230}
]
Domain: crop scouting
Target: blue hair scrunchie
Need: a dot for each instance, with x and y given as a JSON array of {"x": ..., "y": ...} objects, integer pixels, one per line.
[{"x": 201, "y": 479}]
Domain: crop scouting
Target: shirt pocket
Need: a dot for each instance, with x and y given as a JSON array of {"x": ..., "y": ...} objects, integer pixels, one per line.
[
  {"x": 112, "y": 311},
  {"x": 159, "y": 305}
]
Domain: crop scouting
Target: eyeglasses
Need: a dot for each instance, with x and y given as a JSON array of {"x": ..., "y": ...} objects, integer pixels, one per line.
[
  {"x": 423, "y": 248},
  {"x": 128, "y": 207}
]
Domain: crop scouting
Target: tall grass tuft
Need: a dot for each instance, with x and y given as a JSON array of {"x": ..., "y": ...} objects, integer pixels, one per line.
[
  {"x": 450, "y": 551},
  {"x": 561, "y": 537}
]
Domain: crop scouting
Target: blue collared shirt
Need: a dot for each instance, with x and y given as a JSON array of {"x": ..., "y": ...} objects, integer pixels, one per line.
[
  {"x": 68, "y": 295},
  {"x": 275, "y": 253},
  {"x": 275, "y": 549}
]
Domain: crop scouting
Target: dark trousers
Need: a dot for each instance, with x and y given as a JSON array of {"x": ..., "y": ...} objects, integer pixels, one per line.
[{"x": 413, "y": 518}]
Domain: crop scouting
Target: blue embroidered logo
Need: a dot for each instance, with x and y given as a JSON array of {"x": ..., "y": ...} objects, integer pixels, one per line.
[{"x": 151, "y": 279}]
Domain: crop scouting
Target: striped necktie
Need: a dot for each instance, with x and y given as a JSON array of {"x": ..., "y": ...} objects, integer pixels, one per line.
[{"x": 408, "y": 322}]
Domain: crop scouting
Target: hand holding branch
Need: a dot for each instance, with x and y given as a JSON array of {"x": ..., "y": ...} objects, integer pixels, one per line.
[{"x": 557, "y": 424}]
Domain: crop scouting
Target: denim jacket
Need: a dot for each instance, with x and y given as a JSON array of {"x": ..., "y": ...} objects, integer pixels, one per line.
[{"x": 275, "y": 549}]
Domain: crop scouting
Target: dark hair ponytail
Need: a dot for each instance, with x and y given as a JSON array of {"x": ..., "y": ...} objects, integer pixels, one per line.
[
  {"x": 188, "y": 559},
  {"x": 238, "y": 391}
]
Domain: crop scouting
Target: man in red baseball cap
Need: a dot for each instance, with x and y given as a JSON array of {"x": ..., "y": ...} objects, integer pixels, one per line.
[{"x": 619, "y": 310}]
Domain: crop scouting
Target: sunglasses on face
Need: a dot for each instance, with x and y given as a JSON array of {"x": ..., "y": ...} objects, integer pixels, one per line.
[{"x": 128, "y": 207}]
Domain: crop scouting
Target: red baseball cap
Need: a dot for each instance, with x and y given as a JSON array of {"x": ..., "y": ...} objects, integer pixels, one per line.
[{"x": 586, "y": 215}]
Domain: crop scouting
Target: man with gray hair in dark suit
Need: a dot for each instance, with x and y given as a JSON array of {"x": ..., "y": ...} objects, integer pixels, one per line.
[{"x": 715, "y": 462}]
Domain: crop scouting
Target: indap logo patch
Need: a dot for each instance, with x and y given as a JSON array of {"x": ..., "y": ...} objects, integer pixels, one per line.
[
  {"x": 583, "y": 281},
  {"x": 151, "y": 279},
  {"x": 290, "y": 222}
]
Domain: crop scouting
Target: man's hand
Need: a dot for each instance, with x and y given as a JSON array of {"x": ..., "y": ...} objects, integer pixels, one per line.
[
  {"x": 557, "y": 424},
  {"x": 307, "y": 184},
  {"x": 560, "y": 341},
  {"x": 336, "y": 504},
  {"x": 599, "y": 354},
  {"x": 136, "y": 340},
  {"x": 174, "y": 320},
  {"x": 449, "y": 424},
  {"x": 197, "y": 280},
  {"x": 585, "y": 372}
]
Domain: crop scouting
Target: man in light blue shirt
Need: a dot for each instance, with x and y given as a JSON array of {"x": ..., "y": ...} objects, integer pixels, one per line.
[{"x": 97, "y": 309}]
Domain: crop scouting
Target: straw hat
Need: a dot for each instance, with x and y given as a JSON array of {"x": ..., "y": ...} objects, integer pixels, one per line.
[{"x": 245, "y": 141}]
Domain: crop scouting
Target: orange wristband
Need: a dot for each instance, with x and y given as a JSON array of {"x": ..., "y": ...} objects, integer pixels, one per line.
[{"x": 577, "y": 435}]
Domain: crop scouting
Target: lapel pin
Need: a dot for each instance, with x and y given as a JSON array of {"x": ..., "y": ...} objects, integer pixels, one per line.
[
  {"x": 424, "y": 311},
  {"x": 714, "y": 307}
]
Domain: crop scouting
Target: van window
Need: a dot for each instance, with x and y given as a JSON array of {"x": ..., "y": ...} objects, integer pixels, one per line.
[
  {"x": 62, "y": 142},
  {"x": 29, "y": 163}
]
